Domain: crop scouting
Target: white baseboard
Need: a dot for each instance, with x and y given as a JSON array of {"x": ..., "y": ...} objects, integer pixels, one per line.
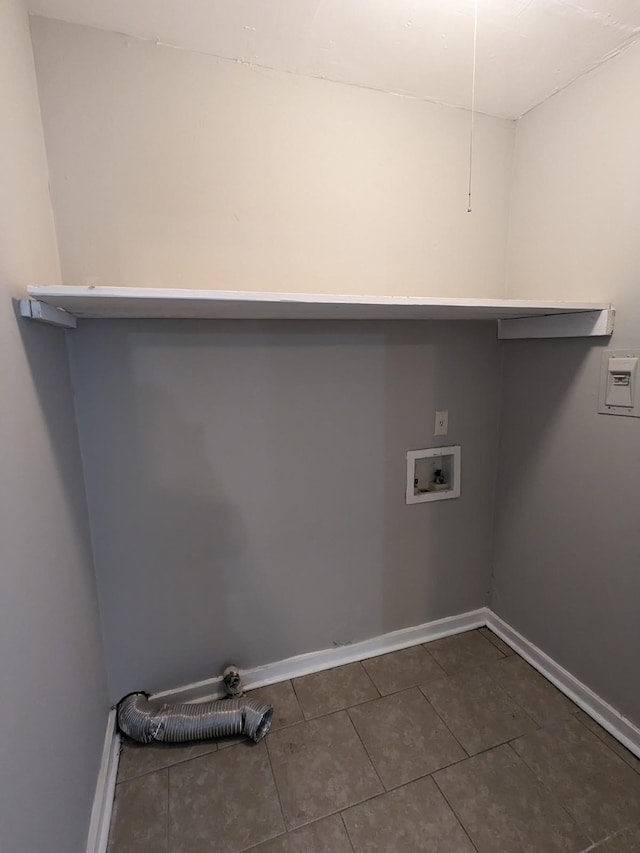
[
  {"x": 620, "y": 727},
  {"x": 105, "y": 789},
  {"x": 328, "y": 658}
]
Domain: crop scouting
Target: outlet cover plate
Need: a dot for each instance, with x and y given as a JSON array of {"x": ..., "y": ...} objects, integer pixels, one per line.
[
  {"x": 626, "y": 411},
  {"x": 442, "y": 422}
]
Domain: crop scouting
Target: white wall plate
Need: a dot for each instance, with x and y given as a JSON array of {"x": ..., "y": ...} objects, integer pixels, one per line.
[{"x": 606, "y": 404}]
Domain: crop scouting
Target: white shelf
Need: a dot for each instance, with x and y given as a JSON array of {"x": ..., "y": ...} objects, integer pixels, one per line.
[{"x": 139, "y": 302}]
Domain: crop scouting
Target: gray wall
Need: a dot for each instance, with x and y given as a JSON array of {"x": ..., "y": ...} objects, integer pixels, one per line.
[
  {"x": 246, "y": 485},
  {"x": 246, "y": 482},
  {"x": 568, "y": 510},
  {"x": 53, "y": 701},
  {"x": 568, "y": 530}
]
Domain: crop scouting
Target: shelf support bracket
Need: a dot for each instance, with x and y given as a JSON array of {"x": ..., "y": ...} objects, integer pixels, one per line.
[
  {"x": 43, "y": 313},
  {"x": 581, "y": 324}
]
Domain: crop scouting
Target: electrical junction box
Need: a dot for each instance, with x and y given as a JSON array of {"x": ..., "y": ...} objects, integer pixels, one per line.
[
  {"x": 433, "y": 474},
  {"x": 619, "y": 383}
]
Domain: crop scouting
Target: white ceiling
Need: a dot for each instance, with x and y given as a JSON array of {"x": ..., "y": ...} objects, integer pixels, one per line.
[{"x": 527, "y": 49}]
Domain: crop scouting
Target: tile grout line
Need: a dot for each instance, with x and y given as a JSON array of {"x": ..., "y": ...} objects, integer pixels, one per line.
[
  {"x": 602, "y": 741},
  {"x": 431, "y": 775},
  {"x": 493, "y": 637},
  {"x": 346, "y": 829},
  {"x": 366, "y": 752},
  {"x": 346, "y": 707},
  {"x": 435, "y": 660},
  {"x": 167, "y": 766},
  {"x": 387, "y": 790},
  {"x": 306, "y": 719},
  {"x": 514, "y": 699},
  {"x": 295, "y": 693},
  {"x": 552, "y": 794},
  {"x": 453, "y": 811},
  {"x": 289, "y": 832},
  {"x": 298, "y": 703},
  {"x": 439, "y": 716},
  {"x": 616, "y": 834},
  {"x": 275, "y": 785},
  {"x": 421, "y": 646},
  {"x": 501, "y": 743},
  {"x": 536, "y": 725},
  {"x": 432, "y": 772},
  {"x": 466, "y": 756},
  {"x": 284, "y": 823},
  {"x": 169, "y": 809},
  {"x": 384, "y": 790},
  {"x": 372, "y": 682}
]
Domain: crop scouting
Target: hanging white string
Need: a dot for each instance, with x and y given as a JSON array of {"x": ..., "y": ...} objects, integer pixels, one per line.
[{"x": 473, "y": 98}]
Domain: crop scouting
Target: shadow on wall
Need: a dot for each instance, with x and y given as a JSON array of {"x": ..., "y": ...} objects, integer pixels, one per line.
[
  {"x": 235, "y": 482},
  {"x": 540, "y": 472},
  {"x": 181, "y": 553},
  {"x": 45, "y": 351}
]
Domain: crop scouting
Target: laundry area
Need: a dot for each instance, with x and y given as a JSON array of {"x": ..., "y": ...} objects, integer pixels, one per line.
[{"x": 320, "y": 427}]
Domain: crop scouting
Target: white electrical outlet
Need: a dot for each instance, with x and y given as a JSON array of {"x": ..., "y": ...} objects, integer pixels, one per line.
[{"x": 442, "y": 423}]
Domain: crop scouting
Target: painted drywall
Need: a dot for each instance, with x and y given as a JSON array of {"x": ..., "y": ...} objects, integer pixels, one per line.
[
  {"x": 526, "y": 50},
  {"x": 174, "y": 168},
  {"x": 54, "y": 705},
  {"x": 568, "y": 538},
  {"x": 246, "y": 484}
]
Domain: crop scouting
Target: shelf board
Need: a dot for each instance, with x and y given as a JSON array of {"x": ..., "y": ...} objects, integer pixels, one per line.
[{"x": 142, "y": 302}]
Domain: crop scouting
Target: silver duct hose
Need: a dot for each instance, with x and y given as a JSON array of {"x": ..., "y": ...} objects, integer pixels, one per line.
[{"x": 145, "y": 721}]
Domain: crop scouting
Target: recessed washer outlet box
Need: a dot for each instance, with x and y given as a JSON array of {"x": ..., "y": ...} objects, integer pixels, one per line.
[
  {"x": 433, "y": 474},
  {"x": 620, "y": 383}
]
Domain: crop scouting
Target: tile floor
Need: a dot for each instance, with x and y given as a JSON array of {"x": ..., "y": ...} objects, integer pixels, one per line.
[{"x": 451, "y": 747}]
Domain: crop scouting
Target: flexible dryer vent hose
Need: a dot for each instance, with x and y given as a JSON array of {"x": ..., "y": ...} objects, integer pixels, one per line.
[{"x": 145, "y": 721}]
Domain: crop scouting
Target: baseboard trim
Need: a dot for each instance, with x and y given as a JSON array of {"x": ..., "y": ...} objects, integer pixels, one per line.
[
  {"x": 328, "y": 658},
  {"x": 613, "y": 721},
  {"x": 608, "y": 717},
  {"x": 105, "y": 788}
]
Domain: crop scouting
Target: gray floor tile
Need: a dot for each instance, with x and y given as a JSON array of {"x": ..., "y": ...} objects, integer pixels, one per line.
[
  {"x": 505, "y": 809},
  {"x": 539, "y": 698},
  {"x": 286, "y": 709},
  {"x": 404, "y": 737},
  {"x": 324, "y": 836},
  {"x": 139, "y": 817},
  {"x": 415, "y": 817},
  {"x": 488, "y": 634},
  {"x": 333, "y": 689},
  {"x": 477, "y": 710},
  {"x": 225, "y": 801},
  {"x": 462, "y": 651},
  {"x": 233, "y": 740},
  {"x": 320, "y": 767},
  {"x": 610, "y": 741},
  {"x": 597, "y": 788},
  {"x": 402, "y": 669},
  {"x": 139, "y": 758},
  {"x": 627, "y": 841}
]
